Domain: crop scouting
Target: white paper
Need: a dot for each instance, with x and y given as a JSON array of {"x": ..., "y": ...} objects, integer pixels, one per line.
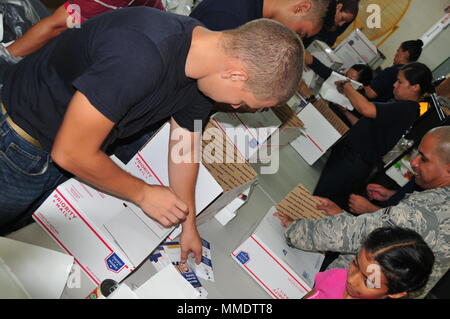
[
  {"x": 42, "y": 272},
  {"x": 11, "y": 288},
  {"x": 123, "y": 292},
  {"x": 167, "y": 284},
  {"x": 330, "y": 93},
  {"x": 132, "y": 235}
]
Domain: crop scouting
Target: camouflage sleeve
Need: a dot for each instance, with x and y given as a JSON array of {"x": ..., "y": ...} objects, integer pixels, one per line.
[{"x": 341, "y": 233}]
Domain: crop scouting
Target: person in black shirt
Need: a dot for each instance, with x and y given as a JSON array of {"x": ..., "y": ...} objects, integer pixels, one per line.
[
  {"x": 381, "y": 88},
  {"x": 121, "y": 72},
  {"x": 379, "y": 129},
  {"x": 302, "y": 16},
  {"x": 338, "y": 19}
]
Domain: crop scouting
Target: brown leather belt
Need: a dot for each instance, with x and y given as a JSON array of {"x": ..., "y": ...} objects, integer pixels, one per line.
[{"x": 27, "y": 137}]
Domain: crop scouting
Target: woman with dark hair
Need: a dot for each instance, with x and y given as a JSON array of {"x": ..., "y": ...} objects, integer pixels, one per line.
[
  {"x": 382, "y": 85},
  {"x": 377, "y": 131},
  {"x": 392, "y": 263},
  {"x": 340, "y": 15}
]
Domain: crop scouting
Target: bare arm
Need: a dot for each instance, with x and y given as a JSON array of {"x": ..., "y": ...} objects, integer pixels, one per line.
[
  {"x": 370, "y": 93},
  {"x": 77, "y": 150},
  {"x": 41, "y": 33},
  {"x": 361, "y": 104},
  {"x": 183, "y": 171}
]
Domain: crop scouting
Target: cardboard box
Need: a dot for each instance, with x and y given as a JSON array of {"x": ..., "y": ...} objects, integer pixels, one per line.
[
  {"x": 321, "y": 51},
  {"x": 282, "y": 271},
  {"x": 110, "y": 237},
  {"x": 247, "y": 131},
  {"x": 356, "y": 49},
  {"x": 322, "y": 129}
]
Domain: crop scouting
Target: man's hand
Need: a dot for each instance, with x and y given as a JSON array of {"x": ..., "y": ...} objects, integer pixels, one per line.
[
  {"x": 328, "y": 206},
  {"x": 161, "y": 204},
  {"x": 379, "y": 193},
  {"x": 360, "y": 205},
  {"x": 286, "y": 221},
  {"x": 190, "y": 242}
]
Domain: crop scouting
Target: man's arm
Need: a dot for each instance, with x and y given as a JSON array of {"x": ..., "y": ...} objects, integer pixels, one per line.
[
  {"x": 77, "y": 149},
  {"x": 183, "y": 170},
  {"x": 341, "y": 233},
  {"x": 40, "y": 33}
]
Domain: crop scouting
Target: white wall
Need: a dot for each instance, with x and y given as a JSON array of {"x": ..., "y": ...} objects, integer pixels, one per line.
[{"x": 421, "y": 15}]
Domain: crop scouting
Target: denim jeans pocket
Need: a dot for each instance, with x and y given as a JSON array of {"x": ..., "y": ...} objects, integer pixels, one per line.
[{"x": 24, "y": 160}]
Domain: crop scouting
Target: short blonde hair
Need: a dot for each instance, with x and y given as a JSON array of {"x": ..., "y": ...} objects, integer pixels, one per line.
[{"x": 273, "y": 56}]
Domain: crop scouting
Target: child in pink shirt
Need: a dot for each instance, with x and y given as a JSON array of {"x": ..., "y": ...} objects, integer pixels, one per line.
[{"x": 392, "y": 263}]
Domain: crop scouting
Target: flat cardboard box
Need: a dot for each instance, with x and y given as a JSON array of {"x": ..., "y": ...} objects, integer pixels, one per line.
[
  {"x": 247, "y": 131},
  {"x": 321, "y": 51},
  {"x": 322, "y": 129},
  {"x": 282, "y": 271},
  {"x": 356, "y": 49},
  {"x": 110, "y": 237}
]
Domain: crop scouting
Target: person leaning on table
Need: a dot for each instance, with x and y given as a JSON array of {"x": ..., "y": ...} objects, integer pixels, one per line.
[
  {"x": 426, "y": 212},
  {"x": 59, "y": 116}
]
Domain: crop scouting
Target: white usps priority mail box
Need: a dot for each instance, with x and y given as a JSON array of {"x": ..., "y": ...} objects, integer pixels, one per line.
[
  {"x": 107, "y": 236},
  {"x": 321, "y": 51},
  {"x": 247, "y": 131},
  {"x": 282, "y": 271},
  {"x": 356, "y": 49},
  {"x": 322, "y": 129}
]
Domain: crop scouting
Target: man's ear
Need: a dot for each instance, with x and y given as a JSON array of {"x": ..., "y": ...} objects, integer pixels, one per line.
[
  {"x": 235, "y": 75},
  {"x": 301, "y": 8}
]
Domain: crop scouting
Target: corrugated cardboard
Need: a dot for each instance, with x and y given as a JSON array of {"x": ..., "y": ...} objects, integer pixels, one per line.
[
  {"x": 299, "y": 203},
  {"x": 110, "y": 237},
  {"x": 282, "y": 271}
]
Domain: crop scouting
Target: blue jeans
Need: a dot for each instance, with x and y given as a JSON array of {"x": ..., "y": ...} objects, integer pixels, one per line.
[{"x": 27, "y": 176}]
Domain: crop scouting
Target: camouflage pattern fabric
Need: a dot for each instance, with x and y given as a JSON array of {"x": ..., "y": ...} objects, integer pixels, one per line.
[{"x": 427, "y": 212}]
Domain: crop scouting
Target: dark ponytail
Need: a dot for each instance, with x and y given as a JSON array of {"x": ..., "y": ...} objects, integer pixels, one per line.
[
  {"x": 404, "y": 257},
  {"x": 414, "y": 48},
  {"x": 419, "y": 73}
]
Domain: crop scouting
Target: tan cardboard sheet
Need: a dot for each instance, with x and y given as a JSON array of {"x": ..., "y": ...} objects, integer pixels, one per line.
[
  {"x": 299, "y": 203},
  {"x": 229, "y": 170},
  {"x": 287, "y": 116},
  {"x": 327, "y": 112}
]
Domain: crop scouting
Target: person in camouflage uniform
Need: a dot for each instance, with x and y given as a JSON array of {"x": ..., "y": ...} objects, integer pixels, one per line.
[{"x": 427, "y": 212}]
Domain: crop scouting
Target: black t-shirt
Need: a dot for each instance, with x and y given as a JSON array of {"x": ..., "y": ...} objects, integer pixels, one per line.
[
  {"x": 383, "y": 84},
  {"x": 129, "y": 63},
  {"x": 221, "y": 15},
  {"x": 327, "y": 36},
  {"x": 373, "y": 138}
]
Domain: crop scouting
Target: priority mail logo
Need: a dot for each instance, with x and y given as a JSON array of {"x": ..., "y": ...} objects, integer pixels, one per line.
[
  {"x": 63, "y": 207},
  {"x": 243, "y": 257}
]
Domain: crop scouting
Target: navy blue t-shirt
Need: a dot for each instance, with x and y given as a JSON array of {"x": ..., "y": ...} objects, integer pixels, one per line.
[
  {"x": 383, "y": 84},
  {"x": 373, "y": 138},
  {"x": 218, "y": 15},
  {"x": 129, "y": 63}
]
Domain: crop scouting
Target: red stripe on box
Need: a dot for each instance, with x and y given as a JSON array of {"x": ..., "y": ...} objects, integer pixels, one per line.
[
  {"x": 314, "y": 142},
  {"x": 81, "y": 217},
  {"x": 65, "y": 248},
  {"x": 257, "y": 278},
  {"x": 277, "y": 262},
  {"x": 148, "y": 166}
]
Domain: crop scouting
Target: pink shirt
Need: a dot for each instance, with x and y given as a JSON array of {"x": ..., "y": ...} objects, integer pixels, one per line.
[
  {"x": 91, "y": 8},
  {"x": 330, "y": 284}
]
